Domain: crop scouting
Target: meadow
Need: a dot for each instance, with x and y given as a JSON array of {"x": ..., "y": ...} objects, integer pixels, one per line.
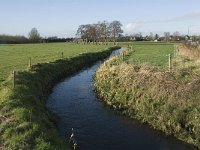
[
  {"x": 155, "y": 54},
  {"x": 16, "y": 56}
]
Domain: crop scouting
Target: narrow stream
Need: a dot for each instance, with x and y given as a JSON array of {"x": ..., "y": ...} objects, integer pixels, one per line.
[{"x": 97, "y": 127}]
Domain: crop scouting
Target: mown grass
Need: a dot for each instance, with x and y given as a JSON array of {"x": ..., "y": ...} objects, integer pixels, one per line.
[
  {"x": 16, "y": 56},
  {"x": 25, "y": 123},
  {"x": 155, "y": 54},
  {"x": 166, "y": 100}
]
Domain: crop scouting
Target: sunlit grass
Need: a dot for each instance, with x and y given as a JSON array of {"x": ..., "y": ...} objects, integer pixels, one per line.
[
  {"x": 155, "y": 54},
  {"x": 16, "y": 56}
]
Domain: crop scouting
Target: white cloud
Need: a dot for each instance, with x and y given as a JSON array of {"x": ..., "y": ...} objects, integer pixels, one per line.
[
  {"x": 131, "y": 28},
  {"x": 189, "y": 16},
  {"x": 161, "y": 25},
  {"x": 185, "y": 17}
]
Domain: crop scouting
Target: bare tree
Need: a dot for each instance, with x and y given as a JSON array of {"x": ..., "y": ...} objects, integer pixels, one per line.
[
  {"x": 156, "y": 37},
  {"x": 151, "y": 36},
  {"x": 176, "y": 36},
  {"x": 167, "y": 36},
  {"x": 101, "y": 31},
  {"x": 137, "y": 36},
  {"x": 115, "y": 29},
  {"x": 104, "y": 31},
  {"x": 34, "y": 35},
  {"x": 81, "y": 32}
]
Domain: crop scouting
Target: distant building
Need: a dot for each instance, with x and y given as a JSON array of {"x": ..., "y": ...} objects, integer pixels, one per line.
[{"x": 187, "y": 37}]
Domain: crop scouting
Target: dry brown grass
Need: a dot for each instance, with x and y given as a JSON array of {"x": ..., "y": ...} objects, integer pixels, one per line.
[
  {"x": 176, "y": 84},
  {"x": 167, "y": 100},
  {"x": 193, "y": 54}
]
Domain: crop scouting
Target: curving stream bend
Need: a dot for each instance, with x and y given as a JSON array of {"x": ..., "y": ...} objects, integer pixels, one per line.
[{"x": 97, "y": 127}]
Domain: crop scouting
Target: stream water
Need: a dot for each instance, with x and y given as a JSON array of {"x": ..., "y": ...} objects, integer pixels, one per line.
[{"x": 97, "y": 127}]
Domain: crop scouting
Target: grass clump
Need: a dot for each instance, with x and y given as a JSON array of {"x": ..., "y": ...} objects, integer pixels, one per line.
[{"x": 25, "y": 122}]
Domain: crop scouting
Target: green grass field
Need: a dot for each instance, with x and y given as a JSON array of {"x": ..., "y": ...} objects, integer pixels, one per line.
[
  {"x": 16, "y": 56},
  {"x": 155, "y": 54}
]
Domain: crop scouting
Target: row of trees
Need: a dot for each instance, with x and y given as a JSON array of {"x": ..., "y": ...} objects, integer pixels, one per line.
[
  {"x": 55, "y": 39},
  {"x": 33, "y": 37},
  {"x": 166, "y": 37},
  {"x": 8, "y": 39},
  {"x": 98, "y": 32},
  {"x": 101, "y": 31},
  {"x": 105, "y": 31}
]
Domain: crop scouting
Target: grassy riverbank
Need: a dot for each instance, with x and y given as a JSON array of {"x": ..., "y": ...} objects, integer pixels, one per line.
[
  {"x": 24, "y": 121},
  {"x": 167, "y": 101}
]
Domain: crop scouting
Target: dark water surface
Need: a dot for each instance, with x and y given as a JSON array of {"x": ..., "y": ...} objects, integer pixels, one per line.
[{"x": 97, "y": 127}]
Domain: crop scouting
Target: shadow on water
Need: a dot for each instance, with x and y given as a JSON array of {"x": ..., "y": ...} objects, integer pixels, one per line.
[{"x": 97, "y": 127}]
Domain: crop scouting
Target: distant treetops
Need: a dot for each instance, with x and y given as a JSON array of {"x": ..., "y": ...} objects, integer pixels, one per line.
[
  {"x": 101, "y": 31},
  {"x": 34, "y": 35}
]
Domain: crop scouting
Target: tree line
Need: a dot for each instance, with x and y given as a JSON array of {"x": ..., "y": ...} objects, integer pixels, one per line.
[
  {"x": 100, "y": 32},
  {"x": 8, "y": 39},
  {"x": 33, "y": 37},
  {"x": 166, "y": 37}
]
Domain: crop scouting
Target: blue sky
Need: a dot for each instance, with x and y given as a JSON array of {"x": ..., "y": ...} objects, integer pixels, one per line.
[{"x": 62, "y": 17}]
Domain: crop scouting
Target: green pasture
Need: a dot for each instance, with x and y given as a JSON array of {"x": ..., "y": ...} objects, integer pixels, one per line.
[
  {"x": 16, "y": 56},
  {"x": 155, "y": 54}
]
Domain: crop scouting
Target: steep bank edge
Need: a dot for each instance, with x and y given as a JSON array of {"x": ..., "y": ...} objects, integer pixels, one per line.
[
  {"x": 25, "y": 121},
  {"x": 153, "y": 96}
]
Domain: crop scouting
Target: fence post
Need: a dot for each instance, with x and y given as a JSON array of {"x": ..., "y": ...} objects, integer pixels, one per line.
[
  {"x": 30, "y": 62},
  {"x": 13, "y": 78},
  {"x": 169, "y": 61}
]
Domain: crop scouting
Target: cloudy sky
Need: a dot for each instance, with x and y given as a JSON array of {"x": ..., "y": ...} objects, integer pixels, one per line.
[{"x": 62, "y": 17}]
